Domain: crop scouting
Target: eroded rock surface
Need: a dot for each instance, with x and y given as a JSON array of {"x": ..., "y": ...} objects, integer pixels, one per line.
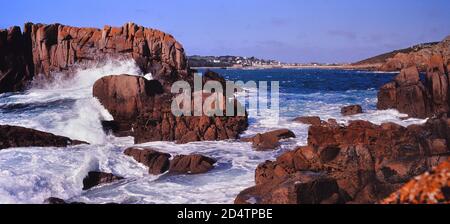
[
  {"x": 410, "y": 95},
  {"x": 14, "y": 137},
  {"x": 359, "y": 163}
]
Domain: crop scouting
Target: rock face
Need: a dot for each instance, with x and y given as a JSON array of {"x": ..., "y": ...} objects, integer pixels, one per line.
[
  {"x": 142, "y": 108},
  {"x": 16, "y": 63},
  {"x": 416, "y": 56},
  {"x": 98, "y": 178},
  {"x": 136, "y": 104},
  {"x": 13, "y": 136},
  {"x": 408, "y": 94},
  {"x": 192, "y": 164},
  {"x": 430, "y": 188},
  {"x": 157, "y": 162},
  {"x": 351, "y": 110},
  {"x": 46, "y": 49},
  {"x": 308, "y": 120},
  {"x": 269, "y": 140},
  {"x": 359, "y": 163}
]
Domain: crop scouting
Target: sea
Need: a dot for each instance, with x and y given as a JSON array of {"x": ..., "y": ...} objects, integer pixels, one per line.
[{"x": 66, "y": 107}]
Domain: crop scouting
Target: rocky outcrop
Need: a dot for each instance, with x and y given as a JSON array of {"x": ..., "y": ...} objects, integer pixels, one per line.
[
  {"x": 429, "y": 188},
  {"x": 15, "y": 137},
  {"x": 419, "y": 58},
  {"x": 351, "y": 110},
  {"x": 269, "y": 140},
  {"x": 358, "y": 163},
  {"x": 56, "y": 49},
  {"x": 98, "y": 178},
  {"x": 157, "y": 162},
  {"x": 142, "y": 108},
  {"x": 416, "y": 56},
  {"x": 16, "y": 63},
  {"x": 191, "y": 164},
  {"x": 410, "y": 95},
  {"x": 308, "y": 120}
]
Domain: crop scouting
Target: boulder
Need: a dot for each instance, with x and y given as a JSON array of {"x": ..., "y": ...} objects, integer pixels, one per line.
[
  {"x": 98, "y": 178},
  {"x": 15, "y": 137},
  {"x": 409, "y": 95},
  {"x": 191, "y": 164},
  {"x": 157, "y": 162},
  {"x": 301, "y": 188},
  {"x": 429, "y": 188},
  {"x": 269, "y": 140},
  {"x": 142, "y": 109},
  {"x": 351, "y": 110},
  {"x": 367, "y": 162},
  {"x": 308, "y": 120}
]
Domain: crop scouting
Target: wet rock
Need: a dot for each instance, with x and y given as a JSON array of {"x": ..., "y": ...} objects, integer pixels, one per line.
[
  {"x": 351, "y": 110},
  {"x": 301, "y": 188},
  {"x": 269, "y": 140},
  {"x": 58, "y": 201},
  {"x": 55, "y": 49},
  {"x": 191, "y": 164},
  {"x": 15, "y": 137},
  {"x": 142, "y": 109},
  {"x": 367, "y": 161},
  {"x": 309, "y": 120},
  {"x": 98, "y": 178},
  {"x": 157, "y": 162}
]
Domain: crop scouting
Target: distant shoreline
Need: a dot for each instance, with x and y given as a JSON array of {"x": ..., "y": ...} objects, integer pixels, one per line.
[{"x": 344, "y": 67}]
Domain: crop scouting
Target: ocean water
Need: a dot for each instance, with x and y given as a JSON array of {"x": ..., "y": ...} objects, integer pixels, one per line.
[{"x": 66, "y": 107}]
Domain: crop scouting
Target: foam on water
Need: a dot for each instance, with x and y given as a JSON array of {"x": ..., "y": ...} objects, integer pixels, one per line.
[{"x": 66, "y": 107}]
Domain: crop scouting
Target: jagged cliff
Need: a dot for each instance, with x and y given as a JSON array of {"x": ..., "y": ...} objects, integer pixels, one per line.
[{"x": 46, "y": 49}]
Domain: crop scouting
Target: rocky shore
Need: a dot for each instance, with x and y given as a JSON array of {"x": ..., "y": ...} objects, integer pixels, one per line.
[
  {"x": 363, "y": 162},
  {"x": 355, "y": 163},
  {"x": 417, "y": 56}
]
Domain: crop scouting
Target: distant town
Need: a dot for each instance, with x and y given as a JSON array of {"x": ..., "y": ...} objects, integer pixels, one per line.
[{"x": 197, "y": 61}]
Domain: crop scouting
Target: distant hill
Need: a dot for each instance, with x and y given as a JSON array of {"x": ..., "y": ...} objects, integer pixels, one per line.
[
  {"x": 382, "y": 58},
  {"x": 418, "y": 55}
]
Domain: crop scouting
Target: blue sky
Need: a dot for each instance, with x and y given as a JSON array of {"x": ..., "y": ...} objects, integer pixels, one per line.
[{"x": 287, "y": 30}]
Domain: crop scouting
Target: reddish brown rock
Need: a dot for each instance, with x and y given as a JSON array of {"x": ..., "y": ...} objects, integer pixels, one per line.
[
  {"x": 417, "y": 56},
  {"x": 366, "y": 161},
  {"x": 98, "y": 178},
  {"x": 192, "y": 164},
  {"x": 14, "y": 137},
  {"x": 157, "y": 162},
  {"x": 309, "y": 120},
  {"x": 301, "y": 188},
  {"x": 409, "y": 95},
  {"x": 55, "y": 49},
  {"x": 16, "y": 63},
  {"x": 429, "y": 188},
  {"x": 142, "y": 109},
  {"x": 351, "y": 110},
  {"x": 406, "y": 94},
  {"x": 269, "y": 140}
]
